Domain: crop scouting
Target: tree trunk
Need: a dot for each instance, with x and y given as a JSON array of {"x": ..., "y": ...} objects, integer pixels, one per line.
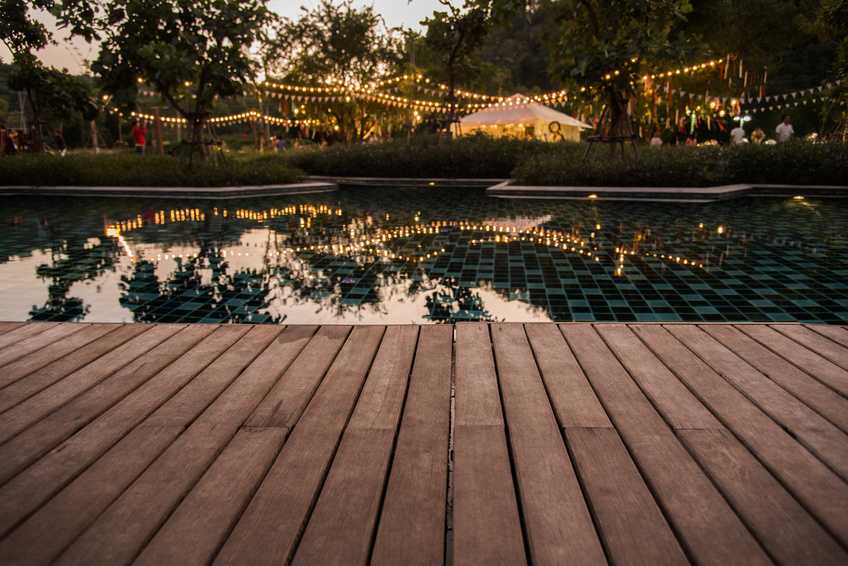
[
  {"x": 92, "y": 128},
  {"x": 157, "y": 130},
  {"x": 197, "y": 122},
  {"x": 619, "y": 122},
  {"x": 36, "y": 142}
]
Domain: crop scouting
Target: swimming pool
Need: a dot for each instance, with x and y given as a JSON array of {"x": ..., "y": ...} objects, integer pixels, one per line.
[{"x": 422, "y": 255}]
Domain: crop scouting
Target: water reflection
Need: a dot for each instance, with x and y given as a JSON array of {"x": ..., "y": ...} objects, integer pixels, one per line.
[{"x": 421, "y": 256}]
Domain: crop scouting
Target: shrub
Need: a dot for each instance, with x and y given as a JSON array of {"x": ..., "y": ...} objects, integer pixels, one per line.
[
  {"x": 420, "y": 157},
  {"x": 797, "y": 163},
  {"x": 126, "y": 169}
]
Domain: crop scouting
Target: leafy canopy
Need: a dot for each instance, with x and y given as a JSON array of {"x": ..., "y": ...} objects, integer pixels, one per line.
[
  {"x": 334, "y": 42},
  {"x": 191, "y": 51}
]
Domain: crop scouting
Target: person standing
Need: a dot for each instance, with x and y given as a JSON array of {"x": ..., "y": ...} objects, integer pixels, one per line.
[
  {"x": 656, "y": 139},
  {"x": 139, "y": 134},
  {"x": 784, "y": 130},
  {"x": 737, "y": 135},
  {"x": 59, "y": 142}
]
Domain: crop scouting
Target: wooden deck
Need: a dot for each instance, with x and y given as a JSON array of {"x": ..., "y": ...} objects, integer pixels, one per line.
[{"x": 476, "y": 444}]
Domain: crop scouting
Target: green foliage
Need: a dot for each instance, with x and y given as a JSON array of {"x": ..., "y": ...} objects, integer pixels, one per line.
[
  {"x": 598, "y": 37},
  {"x": 50, "y": 89},
  {"x": 422, "y": 157},
  {"x": 131, "y": 170},
  {"x": 454, "y": 35},
  {"x": 20, "y": 32},
  {"x": 795, "y": 163},
  {"x": 340, "y": 44},
  {"x": 832, "y": 24},
  {"x": 192, "y": 51}
]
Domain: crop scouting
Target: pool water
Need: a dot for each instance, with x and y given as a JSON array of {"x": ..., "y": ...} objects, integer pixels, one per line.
[{"x": 422, "y": 255}]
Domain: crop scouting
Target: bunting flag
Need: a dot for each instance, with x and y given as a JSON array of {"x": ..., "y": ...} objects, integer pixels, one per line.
[{"x": 802, "y": 96}]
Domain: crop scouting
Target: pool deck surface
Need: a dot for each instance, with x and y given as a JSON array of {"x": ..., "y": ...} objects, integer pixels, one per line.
[{"x": 474, "y": 444}]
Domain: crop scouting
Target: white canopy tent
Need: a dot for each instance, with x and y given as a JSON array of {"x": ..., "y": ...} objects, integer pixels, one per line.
[{"x": 518, "y": 116}]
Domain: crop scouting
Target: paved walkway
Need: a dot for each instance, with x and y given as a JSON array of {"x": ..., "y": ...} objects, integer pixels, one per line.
[{"x": 479, "y": 444}]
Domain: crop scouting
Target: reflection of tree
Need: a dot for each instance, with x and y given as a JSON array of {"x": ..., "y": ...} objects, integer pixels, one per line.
[
  {"x": 237, "y": 297},
  {"x": 72, "y": 261},
  {"x": 452, "y": 303}
]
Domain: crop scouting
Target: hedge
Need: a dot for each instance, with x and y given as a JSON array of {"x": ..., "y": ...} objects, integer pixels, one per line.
[
  {"x": 130, "y": 170},
  {"x": 421, "y": 157},
  {"x": 794, "y": 163}
]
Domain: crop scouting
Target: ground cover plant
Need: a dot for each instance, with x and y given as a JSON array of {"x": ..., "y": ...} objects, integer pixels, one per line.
[{"x": 127, "y": 169}]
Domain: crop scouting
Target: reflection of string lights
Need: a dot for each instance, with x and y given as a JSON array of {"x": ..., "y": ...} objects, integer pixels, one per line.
[{"x": 375, "y": 243}]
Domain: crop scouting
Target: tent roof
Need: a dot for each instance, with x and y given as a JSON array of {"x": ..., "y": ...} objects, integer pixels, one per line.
[{"x": 523, "y": 111}]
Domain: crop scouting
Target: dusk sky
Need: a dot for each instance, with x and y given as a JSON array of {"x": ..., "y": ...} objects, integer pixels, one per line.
[{"x": 72, "y": 54}]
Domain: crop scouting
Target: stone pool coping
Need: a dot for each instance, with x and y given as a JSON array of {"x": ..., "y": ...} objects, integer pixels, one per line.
[
  {"x": 214, "y": 193},
  {"x": 508, "y": 189},
  {"x": 407, "y": 182}
]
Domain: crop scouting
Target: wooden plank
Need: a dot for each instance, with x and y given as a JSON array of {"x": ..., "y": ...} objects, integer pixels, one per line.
[
  {"x": 40, "y": 340},
  {"x": 137, "y": 514},
  {"x": 828, "y": 373},
  {"x": 558, "y": 525},
  {"x": 573, "y": 399},
  {"x": 269, "y": 529},
  {"x": 192, "y": 534},
  {"x": 681, "y": 409},
  {"x": 9, "y": 326},
  {"x": 284, "y": 405},
  {"x": 43, "y": 403},
  {"x": 486, "y": 523},
  {"x": 692, "y": 504},
  {"x": 205, "y": 517},
  {"x": 821, "y": 491},
  {"x": 812, "y": 430},
  {"x": 411, "y": 528},
  {"x": 38, "y": 439},
  {"x": 776, "y": 518},
  {"x": 817, "y": 343},
  {"x": 824, "y": 400},
  {"x": 54, "y": 352},
  {"x": 838, "y": 334},
  {"x": 341, "y": 528},
  {"x": 786, "y": 530},
  {"x": 43, "y": 535},
  {"x": 632, "y": 526},
  {"x": 23, "y": 332},
  {"x": 629, "y": 522},
  {"x": 50, "y": 373},
  {"x": 27, "y": 491}
]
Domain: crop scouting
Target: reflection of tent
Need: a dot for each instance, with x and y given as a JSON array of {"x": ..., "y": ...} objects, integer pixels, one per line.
[{"x": 520, "y": 117}]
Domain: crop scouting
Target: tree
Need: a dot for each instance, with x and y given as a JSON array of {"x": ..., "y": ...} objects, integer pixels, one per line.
[
  {"x": 46, "y": 89},
  {"x": 454, "y": 35},
  {"x": 832, "y": 23},
  {"x": 192, "y": 52},
  {"x": 606, "y": 45},
  {"x": 338, "y": 45}
]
